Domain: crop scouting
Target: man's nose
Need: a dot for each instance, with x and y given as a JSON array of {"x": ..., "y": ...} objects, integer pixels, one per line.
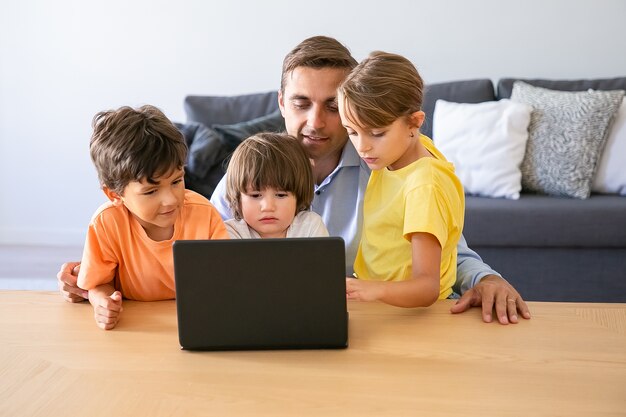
[{"x": 317, "y": 117}]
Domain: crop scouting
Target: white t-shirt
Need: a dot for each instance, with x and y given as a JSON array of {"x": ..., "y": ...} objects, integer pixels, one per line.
[{"x": 305, "y": 224}]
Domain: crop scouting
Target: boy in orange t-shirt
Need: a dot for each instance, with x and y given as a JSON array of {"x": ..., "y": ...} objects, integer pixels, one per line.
[{"x": 139, "y": 155}]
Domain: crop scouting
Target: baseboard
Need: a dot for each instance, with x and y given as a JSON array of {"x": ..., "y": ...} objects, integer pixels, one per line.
[{"x": 53, "y": 237}]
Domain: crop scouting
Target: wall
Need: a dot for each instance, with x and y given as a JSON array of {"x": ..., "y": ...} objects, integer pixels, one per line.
[{"x": 62, "y": 61}]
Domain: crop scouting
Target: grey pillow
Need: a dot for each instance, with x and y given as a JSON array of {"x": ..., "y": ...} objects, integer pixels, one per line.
[
  {"x": 505, "y": 85},
  {"x": 567, "y": 133},
  {"x": 226, "y": 110}
]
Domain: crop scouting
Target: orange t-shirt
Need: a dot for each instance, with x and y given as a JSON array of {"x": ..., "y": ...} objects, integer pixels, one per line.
[{"x": 118, "y": 248}]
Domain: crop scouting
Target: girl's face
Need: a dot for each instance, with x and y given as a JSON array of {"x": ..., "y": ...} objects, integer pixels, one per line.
[
  {"x": 394, "y": 146},
  {"x": 269, "y": 211}
]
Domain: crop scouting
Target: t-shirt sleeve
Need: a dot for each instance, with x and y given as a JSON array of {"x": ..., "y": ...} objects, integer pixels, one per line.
[
  {"x": 99, "y": 263},
  {"x": 426, "y": 211}
]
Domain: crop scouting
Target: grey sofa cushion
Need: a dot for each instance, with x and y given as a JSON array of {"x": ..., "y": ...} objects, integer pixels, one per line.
[
  {"x": 468, "y": 91},
  {"x": 224, "y": 110},
  {"x": 546, "y": 221},
  {"x": 505, "y": 85}
]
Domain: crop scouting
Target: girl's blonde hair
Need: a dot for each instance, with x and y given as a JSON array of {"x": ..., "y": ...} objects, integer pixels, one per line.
[
  {"x": 382, "y": 88},
  {"x": 269, "y": 160}
]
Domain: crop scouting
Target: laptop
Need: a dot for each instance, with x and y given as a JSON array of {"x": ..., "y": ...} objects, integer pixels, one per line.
[{"x": 245, "y": 294}]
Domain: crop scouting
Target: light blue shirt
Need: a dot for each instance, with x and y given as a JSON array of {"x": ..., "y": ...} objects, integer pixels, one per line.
[{"x": 340, "y": 196}]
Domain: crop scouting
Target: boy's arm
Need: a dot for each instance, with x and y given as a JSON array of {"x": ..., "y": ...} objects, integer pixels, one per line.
[
  {"x": 421, "y": 290},
  {"x": 107, "y": 305},
  {"x": 482, "y": 286}
]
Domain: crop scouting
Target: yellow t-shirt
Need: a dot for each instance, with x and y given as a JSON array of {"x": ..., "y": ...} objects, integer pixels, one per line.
[
  {"x": 425, "y": 196},
  {"x": 117, "y": 247}
]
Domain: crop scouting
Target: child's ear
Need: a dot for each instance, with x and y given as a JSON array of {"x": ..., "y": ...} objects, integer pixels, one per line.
[
  {"x": 115, "y": 198},
  {"x": 417, "y": 118}
]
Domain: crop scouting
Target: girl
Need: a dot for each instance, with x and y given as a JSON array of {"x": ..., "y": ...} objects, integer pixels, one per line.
[
  {"x": 414, "y": 203},
  {"x": 269, "y": 187}
]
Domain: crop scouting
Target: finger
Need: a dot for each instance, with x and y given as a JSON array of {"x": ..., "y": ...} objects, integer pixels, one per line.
[
  {"x": 75, "y": 291},
  {"x": 463, "y": 303},
  {"x": 511, "y": 306},
  {"x": 523, "y": 308},
  {"x": 501, "y": 307},
  {"x": 65, "y": 274},
  {"x": 487, "y": 305},
  {"x": 106, "y": 319},
  {"x": 72, "y": 298},
  {"x": 110, "y": 305}
]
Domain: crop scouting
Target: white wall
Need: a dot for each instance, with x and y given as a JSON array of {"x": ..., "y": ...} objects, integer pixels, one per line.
[{"x": 62, "y": 61}]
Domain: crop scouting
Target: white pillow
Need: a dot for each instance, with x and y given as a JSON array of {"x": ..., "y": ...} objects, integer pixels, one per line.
[
  {"x": 485, "y": 142},
  {"x": 611, "y": 174}
]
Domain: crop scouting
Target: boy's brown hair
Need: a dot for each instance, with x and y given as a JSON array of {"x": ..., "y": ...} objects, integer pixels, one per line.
[
  {"x": 317, "y": 52},
  {"x": 132, "y": 144},
  {"x": 382, "y": 88},
  {"x": 269, "y": 160}
]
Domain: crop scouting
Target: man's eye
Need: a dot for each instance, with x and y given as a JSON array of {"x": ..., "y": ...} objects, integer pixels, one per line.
[
  {"x": 149, "y": 192},
  {"x": 300, "y": 105},
  {"x": 333, "y": 108}
]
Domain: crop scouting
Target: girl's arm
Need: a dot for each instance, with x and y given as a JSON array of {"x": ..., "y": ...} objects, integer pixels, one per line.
[{"x": 420, "y": 291}]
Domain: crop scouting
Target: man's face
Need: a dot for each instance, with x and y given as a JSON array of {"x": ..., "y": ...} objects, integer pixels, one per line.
[{"x": 309, "y": 106}]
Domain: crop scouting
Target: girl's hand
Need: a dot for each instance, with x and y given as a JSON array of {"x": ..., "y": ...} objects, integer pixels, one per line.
[{"x": 361, "y": 290}]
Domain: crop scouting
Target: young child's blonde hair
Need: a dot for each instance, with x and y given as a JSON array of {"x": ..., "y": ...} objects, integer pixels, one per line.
[
  {"x": 382, "y": 88},
  {"x": 269, "y": 160}
]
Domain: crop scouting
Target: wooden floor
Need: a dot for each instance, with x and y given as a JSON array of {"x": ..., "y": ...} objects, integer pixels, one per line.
[{"x": 33, "y": 267}]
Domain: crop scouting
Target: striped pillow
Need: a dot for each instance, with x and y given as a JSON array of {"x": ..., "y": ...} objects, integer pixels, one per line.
[{"x": 567, "y": 133}]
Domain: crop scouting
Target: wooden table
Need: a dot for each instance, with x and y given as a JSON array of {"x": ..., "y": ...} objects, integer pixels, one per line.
[{"x": 568, "y": 360}]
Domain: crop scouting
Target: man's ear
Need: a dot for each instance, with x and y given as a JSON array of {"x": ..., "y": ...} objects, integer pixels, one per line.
[
  {"x": 281, "y": 102},
  {"x": 114, "y": 197}
]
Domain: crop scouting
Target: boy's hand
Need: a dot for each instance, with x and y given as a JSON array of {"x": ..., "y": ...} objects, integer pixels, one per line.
[
  {"x": 107, "y": 309},
  {"x": 357, "y": 289},
  {"x": 66, "y": 278}
]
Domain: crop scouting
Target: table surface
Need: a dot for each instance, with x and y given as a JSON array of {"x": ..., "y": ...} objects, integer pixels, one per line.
[{"x": 568, "y": 360}]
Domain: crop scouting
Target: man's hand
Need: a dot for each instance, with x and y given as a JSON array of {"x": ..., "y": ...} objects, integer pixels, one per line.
[
  {"x": 493, "y": 292},
  {"x": 106, "y": 309},
  {"x": 66, "y": 278}
]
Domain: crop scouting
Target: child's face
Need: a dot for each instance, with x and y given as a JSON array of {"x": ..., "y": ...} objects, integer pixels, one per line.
[
  {"x": 268, "y": 211},
  {"x": 390, "y": 146},
  {"x": 155, "y": 206}
]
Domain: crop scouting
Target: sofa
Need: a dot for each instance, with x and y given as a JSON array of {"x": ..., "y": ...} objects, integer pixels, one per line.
[{"x": 550, "y": 247}]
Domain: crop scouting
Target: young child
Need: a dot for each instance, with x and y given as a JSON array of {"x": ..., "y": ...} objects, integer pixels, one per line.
[
  {"x": 414, "y": 204},
  {"x": 139, "y": 156},
  {"x": 269, "y": 187}
]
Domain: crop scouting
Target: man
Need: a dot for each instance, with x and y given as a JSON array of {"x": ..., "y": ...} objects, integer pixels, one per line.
[{"x": 311, "y": 73}]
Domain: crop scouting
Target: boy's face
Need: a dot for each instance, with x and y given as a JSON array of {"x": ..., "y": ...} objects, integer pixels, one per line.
[
  {"x": 269, "y": 211},
  {"x": 155, "y": 206},
  {"x": 309, "y": 106}
]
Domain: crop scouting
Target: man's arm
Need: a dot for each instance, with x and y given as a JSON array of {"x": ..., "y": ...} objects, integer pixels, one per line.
[{"x": 482, "y": 286}]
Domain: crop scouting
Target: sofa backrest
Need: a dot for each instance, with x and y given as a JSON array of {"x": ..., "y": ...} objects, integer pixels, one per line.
[
  {"x": 505, "y": 85},
  {"x": 467, "y": 91}
]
